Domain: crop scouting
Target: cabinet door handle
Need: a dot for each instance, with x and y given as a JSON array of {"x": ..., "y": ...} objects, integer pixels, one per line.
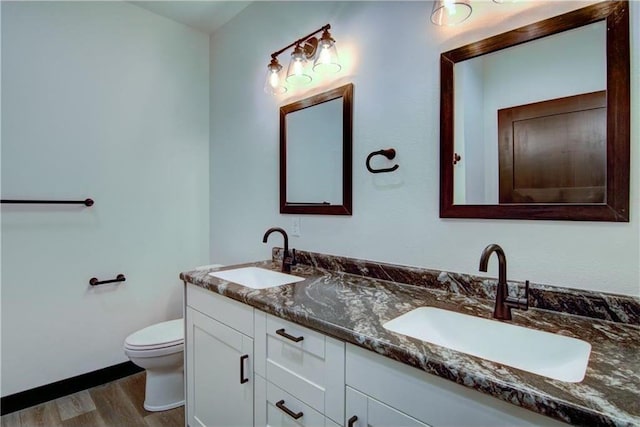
[
  {"x": 282, "y": 333},
  {"x": 242, "y": 378},
  {"x": 352, "y": 421},
  {"x": 280, "y": 405}
]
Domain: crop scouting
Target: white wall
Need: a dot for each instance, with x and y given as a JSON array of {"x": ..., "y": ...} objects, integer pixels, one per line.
[
  {"x": 108, "y": 101},
  {"x": 391, "y": 52}
]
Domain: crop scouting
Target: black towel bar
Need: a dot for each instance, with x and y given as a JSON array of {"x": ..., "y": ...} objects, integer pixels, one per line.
[
  {"x": 86, "y": 202},
  {"x": 94, "y": 281}
]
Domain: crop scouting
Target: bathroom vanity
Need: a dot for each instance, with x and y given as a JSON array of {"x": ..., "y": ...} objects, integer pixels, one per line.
[{"x": 316, "y": 353}]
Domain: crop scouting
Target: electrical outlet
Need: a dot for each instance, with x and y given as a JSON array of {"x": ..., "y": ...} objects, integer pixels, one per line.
[{"x": 295, "y": 227}]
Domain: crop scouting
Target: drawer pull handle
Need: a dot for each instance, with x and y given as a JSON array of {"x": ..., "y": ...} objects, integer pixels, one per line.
[
  {"x": 242, "y": 378},
  {"x": 288, "y": 411},
  {"x": 352, "y": 421},
  {"x": 282, "y": 333}
]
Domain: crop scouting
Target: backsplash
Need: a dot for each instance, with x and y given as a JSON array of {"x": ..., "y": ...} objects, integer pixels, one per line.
[{"x": 598, "y": 305}]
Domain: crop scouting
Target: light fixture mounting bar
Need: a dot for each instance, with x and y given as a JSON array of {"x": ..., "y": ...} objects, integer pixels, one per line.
[{"x": 300, "y": 40}]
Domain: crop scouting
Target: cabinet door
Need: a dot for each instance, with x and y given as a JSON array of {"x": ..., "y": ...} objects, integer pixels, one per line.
[
  {"x": 363, "y": 411},
  {"x": 219, "y": 373}
]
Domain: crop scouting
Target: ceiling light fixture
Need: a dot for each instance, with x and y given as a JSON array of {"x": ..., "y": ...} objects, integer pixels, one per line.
[
  {"x": 450, "y": 12},
  {"x": 321, "y": 51}
]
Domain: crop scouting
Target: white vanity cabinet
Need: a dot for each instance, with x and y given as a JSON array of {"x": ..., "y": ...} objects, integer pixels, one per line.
[
  {"x": 218, "y": 360},
  {"x": 383, "y": 392},
  {"x": 245, "y": 367},
  {"x": 298, "y": 371}
]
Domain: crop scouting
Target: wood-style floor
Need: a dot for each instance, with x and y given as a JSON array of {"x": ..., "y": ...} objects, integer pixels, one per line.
[{"x": 116, "y": 404}]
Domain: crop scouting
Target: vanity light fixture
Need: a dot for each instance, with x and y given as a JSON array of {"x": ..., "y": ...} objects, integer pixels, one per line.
[
  {"x": 450, "y": 12},
  {"x": 309, "y": 48}
]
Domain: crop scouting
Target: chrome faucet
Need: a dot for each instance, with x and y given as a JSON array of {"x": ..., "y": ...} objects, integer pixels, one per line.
[
  {"x": 504, "y": 303},
  {"x": 287, "y": 259}
]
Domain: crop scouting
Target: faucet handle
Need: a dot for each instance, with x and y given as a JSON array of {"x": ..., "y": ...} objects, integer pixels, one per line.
[
  {"x": 520, "y": 303},
  {"x": 524, "y": 302},
  {"x": 289, "y": 258}
]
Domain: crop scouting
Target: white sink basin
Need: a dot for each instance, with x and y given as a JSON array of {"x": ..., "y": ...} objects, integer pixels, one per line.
[
  {"x": 256, "y": 277},
  {"x": 543, "y": 353}
]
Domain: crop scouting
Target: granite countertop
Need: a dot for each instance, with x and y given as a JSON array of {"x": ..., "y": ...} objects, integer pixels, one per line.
[{"x": 353, "y": 308}]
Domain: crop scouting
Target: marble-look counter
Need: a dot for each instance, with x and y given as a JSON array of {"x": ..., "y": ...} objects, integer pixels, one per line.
[{"x": 353, "y": 308}]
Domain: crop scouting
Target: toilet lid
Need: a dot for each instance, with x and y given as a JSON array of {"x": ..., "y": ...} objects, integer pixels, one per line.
[{"x": 162, "y": 334}]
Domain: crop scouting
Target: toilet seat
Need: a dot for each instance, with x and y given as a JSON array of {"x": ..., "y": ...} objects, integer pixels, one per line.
[
  {"x": 153, "y": 352},
  {"x": 164, "y": 335}
]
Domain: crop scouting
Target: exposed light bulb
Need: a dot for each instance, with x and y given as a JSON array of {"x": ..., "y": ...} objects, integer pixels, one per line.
[
  {"x": 274, "y": 80},
  {"x": 325, "y": 55},
  {"x": 450, "y": 6},
  {"x": 298, "y": 67}
]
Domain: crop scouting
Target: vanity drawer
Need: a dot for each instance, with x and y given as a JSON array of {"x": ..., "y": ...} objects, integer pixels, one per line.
[
  {"x": 287, "y": 333},
  {"x": 268, "y": 412},
  {"x": 311, "y": 369},
  {"x": 232, "y": 313}
]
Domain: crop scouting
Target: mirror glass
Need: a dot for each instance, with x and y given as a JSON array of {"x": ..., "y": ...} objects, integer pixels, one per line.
[
  {"x": 535, "y": 121},
  {"x": 315, "y": 154},
  {"x": 552, "y": 156}
]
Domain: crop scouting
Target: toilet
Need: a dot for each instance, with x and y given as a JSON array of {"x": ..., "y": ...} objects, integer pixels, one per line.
[{"x": 159, "y": 350}]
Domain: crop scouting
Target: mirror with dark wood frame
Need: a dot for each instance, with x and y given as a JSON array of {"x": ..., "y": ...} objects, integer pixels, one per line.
[
  {"x": 316, "y": 154},
  {"x": 552, "y": 156}
]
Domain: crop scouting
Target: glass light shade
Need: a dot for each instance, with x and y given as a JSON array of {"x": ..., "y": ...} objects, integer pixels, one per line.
[
  {"x": 297, "y": 73},
  {"x": 450, "y": 12},
  {"x": 273, "y": 84},
  {"x": 327, "y": 57}
]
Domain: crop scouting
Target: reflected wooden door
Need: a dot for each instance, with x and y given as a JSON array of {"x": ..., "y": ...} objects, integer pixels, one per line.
[{"x": 554, "y": 151}]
